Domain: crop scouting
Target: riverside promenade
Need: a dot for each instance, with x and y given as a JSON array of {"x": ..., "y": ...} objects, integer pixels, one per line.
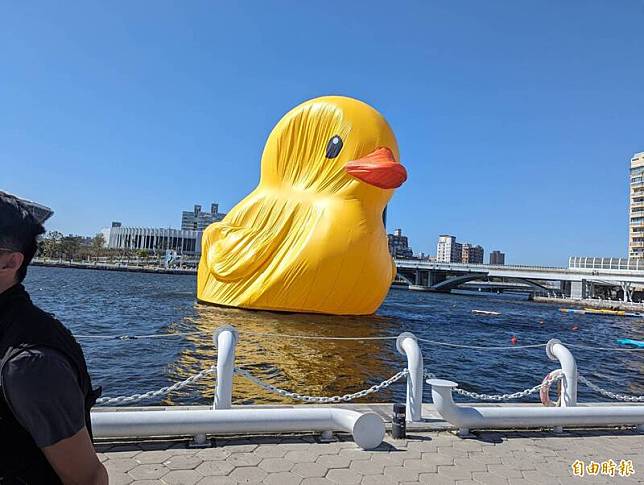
[
  {"x": 431, "y": 454},
  {"x": 489, "y": 458}
]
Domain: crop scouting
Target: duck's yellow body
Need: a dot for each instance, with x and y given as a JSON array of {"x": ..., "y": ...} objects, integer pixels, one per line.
[{"x": 310, "y": 237}]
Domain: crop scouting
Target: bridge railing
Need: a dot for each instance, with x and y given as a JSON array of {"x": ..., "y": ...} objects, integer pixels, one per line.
[{"x": 619, "y": 264}]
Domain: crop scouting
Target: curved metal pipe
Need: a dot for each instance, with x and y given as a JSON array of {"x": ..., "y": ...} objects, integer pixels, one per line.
[
  {"x": 225, "y": 339},
  {"x": 467, "y": 417},
  {"x": 368, "y": 429},
  {"x": 407, "y": 345},
  {"x": 558, "y": 351}
]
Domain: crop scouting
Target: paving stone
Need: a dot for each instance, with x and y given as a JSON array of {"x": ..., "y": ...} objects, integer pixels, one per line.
[
  {"x": 156, "y": 456},
  {"x": 309, "y": 470},
  {"x": 120, "y": 465},
  {"x": 388, "y": 459},
  {"x": 182, "y": 477},
  {"x": 355, "y": 455},
  {"x": 344, "y": 476},
  {"x": 216, "y": 481},
  {"x": 316, "y": 481},
  {"x": 333, "y": 461},
  {"x": 401, "y": 474},
  {"x": 420, "y": 466},
  {"x": 367, "y": 467},
  {"x": 244, "y": 459},
  {"x": 213, "y": 454},
  {"x": 471, "y": 464},
  {"x": 215, "y": 468},
  {"x": 454, "y": 472},
  {"x": 300, "y": 456},
  {"x": 270, "y": 451},
  {"x": 378, "y": 480},
  {"x": 486, "y": 478},
  {"x": 119, "y": 478},
  {"x": 148, "y": 472},
  {"x": 183, "y": 462},
  {"x": 505, "y": 471},
  {"x": 274, "y": 465},
  {"x": 437, "y": 459},
  {"x": 248, "y": 474},
  {"x": 283, "y": 478}
]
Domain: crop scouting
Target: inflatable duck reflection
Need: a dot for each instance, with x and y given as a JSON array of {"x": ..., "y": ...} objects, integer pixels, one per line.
[{"x": 310, "y": 237}]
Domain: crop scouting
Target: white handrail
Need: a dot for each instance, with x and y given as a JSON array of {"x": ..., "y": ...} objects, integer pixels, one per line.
[
  {"x": 225, "y": 339},
  {"x": 557, "y": 351},
  {"x": 407, "y": 345}
]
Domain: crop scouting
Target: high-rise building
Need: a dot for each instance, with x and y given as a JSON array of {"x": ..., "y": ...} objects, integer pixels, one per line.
[
  {"x": 197, "y": 220},
  {"x": 472, "y": 254},
  {"x": 497, "y": 257},
  {"x": 448, "y": 250},
  {"x": 399, "y": 245},
  {"x": 636, "y": 210}
]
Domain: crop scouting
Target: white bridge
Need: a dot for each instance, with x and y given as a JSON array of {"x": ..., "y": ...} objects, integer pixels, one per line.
[{"x": 576, "y": 281}]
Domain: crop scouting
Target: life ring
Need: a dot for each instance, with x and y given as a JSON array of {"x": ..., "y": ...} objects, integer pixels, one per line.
[{"x": 544, "y": 392}]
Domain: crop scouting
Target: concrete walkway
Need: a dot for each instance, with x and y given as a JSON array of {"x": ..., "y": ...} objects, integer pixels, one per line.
[{"x": 494, "y": 458}]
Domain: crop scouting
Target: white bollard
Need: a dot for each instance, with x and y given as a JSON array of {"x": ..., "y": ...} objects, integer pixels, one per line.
[
  {"x": 408, "y": 346},
  {"x": 225, "y": 339},
  {"x": 557, "y": 351}
]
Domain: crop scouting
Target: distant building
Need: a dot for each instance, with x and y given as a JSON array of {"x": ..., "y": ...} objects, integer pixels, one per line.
[
  {"x": 448, "y": 250},
  {"x": 155, "y": 239},
  {"x": 472, "y": 254},
  {"x": 636, "y": 209},
  {"x": 399, "y": 245},
  {"x": 197, "y": 220},
  {"x": 497, "y": 257},
  {"x": 106, "y": 233}
]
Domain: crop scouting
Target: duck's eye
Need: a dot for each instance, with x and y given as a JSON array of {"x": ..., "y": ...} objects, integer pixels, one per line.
[{"x": 334, "y": 146}]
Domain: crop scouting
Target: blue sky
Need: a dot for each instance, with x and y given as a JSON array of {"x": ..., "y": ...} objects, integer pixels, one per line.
[{"x": 516, "y": 120}]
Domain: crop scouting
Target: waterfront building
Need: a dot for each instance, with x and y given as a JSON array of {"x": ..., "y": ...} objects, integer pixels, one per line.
[
  {"x": 472, "y": 254},
  {"x": 197, "y": 220},
  {"x": 497, "y": 257},
  {"x": 448, "y": 250},
  {"x": 186, "y": 242},
  {"x": 636, "y": 208},
  {"x": 399, "y": 245}
]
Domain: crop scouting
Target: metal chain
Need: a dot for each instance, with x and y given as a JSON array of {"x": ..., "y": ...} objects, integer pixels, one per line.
[
  {"x": 502, "y": 397},
  {"x": 321, "y": 399},
  {"x": 158, "y": 392},
  {"x": 612, "y": 395}
]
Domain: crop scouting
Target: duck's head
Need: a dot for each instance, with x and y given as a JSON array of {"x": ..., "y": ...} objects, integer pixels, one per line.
[{"x": 334, "y": 145}]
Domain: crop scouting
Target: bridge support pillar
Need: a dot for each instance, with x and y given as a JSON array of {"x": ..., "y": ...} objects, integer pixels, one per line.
[{"x": 578, "y": 290}]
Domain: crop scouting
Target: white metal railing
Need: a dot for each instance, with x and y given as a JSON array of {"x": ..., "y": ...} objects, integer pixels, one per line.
[{"x": 464, "y": 417}]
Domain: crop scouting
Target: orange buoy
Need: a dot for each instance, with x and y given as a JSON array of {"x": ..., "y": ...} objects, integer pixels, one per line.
[{"x": 514, "y": 339}]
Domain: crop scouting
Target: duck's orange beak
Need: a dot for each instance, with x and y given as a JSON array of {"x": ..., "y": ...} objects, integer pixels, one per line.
[{"x": 379, "y": 168}]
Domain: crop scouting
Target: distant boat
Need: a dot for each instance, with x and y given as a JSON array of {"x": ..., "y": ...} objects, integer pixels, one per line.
[
  {"x": 601, "y": 311},
  {"x": 485, "y": 312},
  {"x": 628, "y": 341},
  {"x": 572, "y": 310}
]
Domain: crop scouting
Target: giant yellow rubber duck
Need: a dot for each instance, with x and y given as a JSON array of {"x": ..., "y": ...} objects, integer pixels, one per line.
[{"x": 310, "y": 237}]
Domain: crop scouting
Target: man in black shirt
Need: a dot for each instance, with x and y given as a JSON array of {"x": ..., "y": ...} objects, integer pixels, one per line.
[{"x": 45, "y": 389}]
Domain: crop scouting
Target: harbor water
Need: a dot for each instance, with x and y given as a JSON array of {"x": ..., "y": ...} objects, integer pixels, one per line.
[{"x": 96, "y": 305}]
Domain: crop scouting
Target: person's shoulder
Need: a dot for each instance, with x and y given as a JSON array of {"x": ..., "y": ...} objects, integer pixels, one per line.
[{"x": 38, "y": 360}]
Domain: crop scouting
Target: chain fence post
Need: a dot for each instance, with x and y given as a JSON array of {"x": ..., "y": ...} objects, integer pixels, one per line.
[
  {"x": 225, "y": 339},
  {"x": 407, "y": 345},
  {"x": 558, "y": 351}
]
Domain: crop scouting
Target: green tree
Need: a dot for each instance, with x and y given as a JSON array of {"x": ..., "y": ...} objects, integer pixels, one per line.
[
  {"x": 51, "y": 244},
  {"x": 98, "y": 243},
  {"x": 70, "y": 246}
]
